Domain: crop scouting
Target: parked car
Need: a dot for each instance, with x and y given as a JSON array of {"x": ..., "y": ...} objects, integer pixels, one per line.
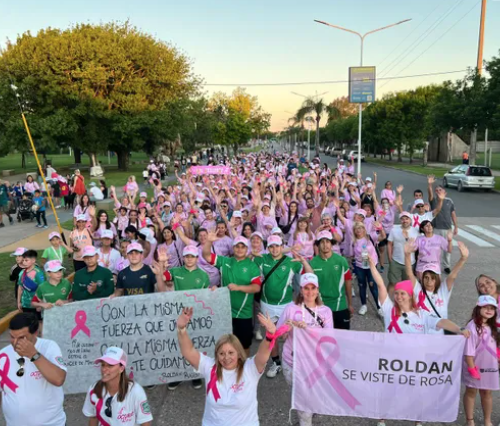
[
  {"x": 467, "y": 176},
  {"x": 354, "y": 155},
  {"x": 327, "y": 150}
]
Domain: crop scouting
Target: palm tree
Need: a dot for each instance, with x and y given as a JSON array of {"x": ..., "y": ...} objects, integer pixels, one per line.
[{"x": 317, "y": 108}]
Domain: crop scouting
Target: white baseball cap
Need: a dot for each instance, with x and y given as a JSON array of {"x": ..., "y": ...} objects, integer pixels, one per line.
[
  {"x": 309, "y": 279},
  {"x": 274, "y": 240},
  {"x": 237, "y": 213},
  {"x": 276, "y": 230},
  {"x": 418, "y": 202},
  {"x": 134, "y": 247},
  {"x": 190, "y": 250},
  {"x": 240, "y": 240},
  {"x": 113, "y": 356},
  {"x": 89, "y": 251},
  {"x": 81, "y": 217},
  {"x": 53, "y": 266},
  {"x": 54, "y": 234},
  {"x": 487, "y": 301},
  {"x": 107, "y": 233},
  {"x": 19, "y": 251}
]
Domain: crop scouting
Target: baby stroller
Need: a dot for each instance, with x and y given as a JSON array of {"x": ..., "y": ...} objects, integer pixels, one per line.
[{"x": 25, "y": 210}]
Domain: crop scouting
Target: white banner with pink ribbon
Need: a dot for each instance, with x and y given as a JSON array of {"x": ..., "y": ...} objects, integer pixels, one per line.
[
  {"x": 210, "y": 170},
  {"x": 377, "y": 375}
]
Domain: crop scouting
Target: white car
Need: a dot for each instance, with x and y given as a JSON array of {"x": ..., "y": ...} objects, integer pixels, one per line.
[
  {"x": 466, "y": 176},
  {"x": 354, "y": 155}
]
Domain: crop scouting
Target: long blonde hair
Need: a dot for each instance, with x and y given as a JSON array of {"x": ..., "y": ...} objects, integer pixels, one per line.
[
  {"x": 232, "y": 340},
  {"x": 307, "y": 231}
]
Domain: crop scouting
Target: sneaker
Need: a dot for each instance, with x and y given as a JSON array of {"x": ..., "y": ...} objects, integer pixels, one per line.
[
  {"x": 273, "y": 370},
  {"x": 447, "y": 271},
  {"x": 353, "y": 292},
  {"x": 380, "y": 312},
  {"x": 38, "y": 226},
  {"x": 258, "y": 335},
  {"x": 380, "y": 423},
  {"x": 45, "y": 226},
  {"x": 363, "y": 310},
  {"x": 197, "y": 383},
  {"x": 173, "y": 386}
]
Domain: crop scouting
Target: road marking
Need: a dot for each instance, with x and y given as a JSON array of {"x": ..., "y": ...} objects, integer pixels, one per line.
[
  {"x": 496, "y": 226},
  {"x": 484, "y": 231},
  {"x": 472, "y": 238},
  {"x": 454, "y": 243}
]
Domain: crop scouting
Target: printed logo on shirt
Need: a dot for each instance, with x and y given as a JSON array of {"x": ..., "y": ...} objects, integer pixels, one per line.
[
  {"x": 244, "y": 270},
  {"x": 283, "y": 268},
  {"x": 237, "y": 387},
  {"x": 418, "y": 327},
  {"x": 439, "y": 302},
  {"x": 60, "y": 361},
  {"x": 63, "y": 290},
  {"x": 143, "y": 277},
  {"x": 36, "y": 375},
  {"x": 336, "y": 267},
  {"x": 145, "y": 408},
  {"x": 125, "y": 417},
  {"x": 198, "y": 281}
]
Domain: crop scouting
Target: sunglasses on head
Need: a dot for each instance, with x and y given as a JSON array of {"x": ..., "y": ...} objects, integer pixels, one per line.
[
  {"x": 108, "y": 411},
  {"x": 405, "y": 316},
  {"x": 20, "y": 372}
]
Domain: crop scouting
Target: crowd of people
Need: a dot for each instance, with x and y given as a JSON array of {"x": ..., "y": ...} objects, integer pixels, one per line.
[{"x": 288, "y": 238}]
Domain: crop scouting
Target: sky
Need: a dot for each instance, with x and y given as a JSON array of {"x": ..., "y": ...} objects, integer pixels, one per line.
[{"x": 245, "y": 42}]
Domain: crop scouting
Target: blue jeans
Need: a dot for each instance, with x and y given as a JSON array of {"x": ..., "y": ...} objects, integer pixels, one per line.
[{"x": 365, "y": 279}]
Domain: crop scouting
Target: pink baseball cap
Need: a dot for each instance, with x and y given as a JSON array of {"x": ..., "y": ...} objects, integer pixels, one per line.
[
  {"x": 19, "y": 251},
  {"x": 81, "y": 217},
  {"x": 309, "y": 279},
  {"x": 237, "y": 213},
  {"x": 257, "y": 234},
  {"x": 274, "y": 240},
  {"x": 54, "y": 234},
  {"x": 134, "y": 247},
  {"x": 324, "y": 234},
  {"x": 405, "y": 213},
  {"x": 53, "y": 266},
  {"x": 190, "y": 250},
  {"x": 89, "y": 251},
  {"x": 265, "y": 205},
  {"x": 113, "y": 356},
  {"x": 143, "y": 194},
  {"x": 240, "y": 240},
  {"x": 405, "y": 286},
  {"x": 361, "y": 212},
  {"x": 433, "y": 267}
]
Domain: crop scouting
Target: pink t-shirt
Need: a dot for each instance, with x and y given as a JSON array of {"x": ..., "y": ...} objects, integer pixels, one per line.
[
  {"x": 295, "y": 312},
  {"x": 429, "y": 251},
  {"x": 307, "y": 243},
  {"x": 389, "y": 194},
  {"x": 264, "y": 223},
  {"x": 358, "y": 250}
]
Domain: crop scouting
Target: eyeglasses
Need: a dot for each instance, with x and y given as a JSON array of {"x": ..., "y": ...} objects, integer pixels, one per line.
[
  {"x": 20, "y": 372},
  {"x": 405, "y": 316},
  {"x": 108, "y": 411}
]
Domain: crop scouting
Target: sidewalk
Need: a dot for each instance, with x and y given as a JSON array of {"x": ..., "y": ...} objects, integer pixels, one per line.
[{"x": 418, "y": 162}]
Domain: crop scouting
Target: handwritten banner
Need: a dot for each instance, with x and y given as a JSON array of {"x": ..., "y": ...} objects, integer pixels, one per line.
[
  {"x": 144, "y": 326},
  {"x": 377, "y": 375},
  {"x": 210, "y": 170}
]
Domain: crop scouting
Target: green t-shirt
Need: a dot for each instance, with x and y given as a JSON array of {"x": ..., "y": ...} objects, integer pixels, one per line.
[
  {"x": 188, "y": 280},
  {"x": 332, "y": 273},
  {"x": 50, "y": 253},
  {"x": 241, "y": 272},
  {"x": 48, "y": 293},
  {"x": 37, "y": 276},
  {"x": 102, "y": 276},
  {"x": 278, "y": 288}
]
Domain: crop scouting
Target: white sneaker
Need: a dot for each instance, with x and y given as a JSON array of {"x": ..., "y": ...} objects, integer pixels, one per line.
[
  {"x": 363, "y": 310},
  {"x": 380, "y": 423},
  {"x": 273, "y": 370},
  {"x": 258, "y": 335},
  {"x": 380, "y": 312},
  {"x": 353, "y": 292}
]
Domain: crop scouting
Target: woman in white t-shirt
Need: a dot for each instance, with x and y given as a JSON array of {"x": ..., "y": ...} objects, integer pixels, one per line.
[
  {"x": 434, "y": 295},
  {"x": 116, "y": 397},
  {"x": 404, "y": 316},
  {"x": 231, "y": 379}
]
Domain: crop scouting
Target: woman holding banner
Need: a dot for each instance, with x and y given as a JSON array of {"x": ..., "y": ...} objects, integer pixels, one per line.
[
  {"x": 231, "y": 379},
  {"x": 405, "y": 316},
  {"x": 307, "y": 311},
  {"x": 116, "y": 397}
]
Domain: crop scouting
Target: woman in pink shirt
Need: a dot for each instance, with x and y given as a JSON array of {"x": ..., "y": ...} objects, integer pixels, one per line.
[
  {"x": 430, "y": 247},
  {"x": 265, "y": 221},
  {"x": 303, "y": 238},
  {"x": 388, "y": 193},
  {"x": 31, "y": 186}
]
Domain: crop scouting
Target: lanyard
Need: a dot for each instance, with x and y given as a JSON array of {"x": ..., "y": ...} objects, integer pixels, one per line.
[
  {"x": 58, "y": 254},
  {"x": 304, "y": 312}
]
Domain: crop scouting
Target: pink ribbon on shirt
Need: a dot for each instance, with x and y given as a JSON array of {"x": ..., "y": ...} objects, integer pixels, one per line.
[
  {"x": 421, "y": 301},
  {"x": 483, "y": 345},
  {"x": 81, "y": 324},
  {"x": 4, "y": 375},
  {"x": 394, "y": 323},
  {"x": 98, "y": 408},
  {"x": 212, "y": 384},
  {"x": 324, "y": 369}
]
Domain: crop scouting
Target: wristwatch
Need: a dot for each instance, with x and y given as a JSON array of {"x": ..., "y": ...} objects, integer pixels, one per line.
[{"x": 36, "y": 357}]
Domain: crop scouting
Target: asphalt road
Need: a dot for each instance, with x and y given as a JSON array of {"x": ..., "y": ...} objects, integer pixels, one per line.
[{"x": 185, "y": 405}]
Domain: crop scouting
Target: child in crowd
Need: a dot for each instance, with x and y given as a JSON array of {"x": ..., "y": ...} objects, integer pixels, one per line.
[
  {"x": 481, "y": 356},
  {"x": 57, "y": 250},
  {"x": 41, "y": 205},
  {"x": 29, "y": 280},
  {"x": 17, "y": 267}
]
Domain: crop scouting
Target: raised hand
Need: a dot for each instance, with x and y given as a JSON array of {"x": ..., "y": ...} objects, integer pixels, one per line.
[
  {"x": 267, "y": 323},
  {"x": 212, "y": 236},
  {"x": 399, "y": 189},
  {"x": 162, "y": 255},
  {"x": 184, "y": 317},
  {"x": 157, "y": 268},
  {"x": 431, "y": 179},
  {"x": 464, "y": 251}
]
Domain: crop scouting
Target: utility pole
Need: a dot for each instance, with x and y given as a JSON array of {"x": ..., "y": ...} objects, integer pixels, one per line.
[{"x": 473, "y": 141}]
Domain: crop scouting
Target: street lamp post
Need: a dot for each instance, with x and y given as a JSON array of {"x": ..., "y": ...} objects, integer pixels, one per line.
[{"x": 362, "y": 39}]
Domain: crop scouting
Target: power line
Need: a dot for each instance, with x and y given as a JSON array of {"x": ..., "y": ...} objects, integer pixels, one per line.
[
  {"x": 402, "y": 56},
  {"x": 299, "y": 83},
  {"x": 436, "y": 41}
]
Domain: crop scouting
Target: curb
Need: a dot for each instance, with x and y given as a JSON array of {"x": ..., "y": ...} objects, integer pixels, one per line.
[{"x": 5, "y": 321}]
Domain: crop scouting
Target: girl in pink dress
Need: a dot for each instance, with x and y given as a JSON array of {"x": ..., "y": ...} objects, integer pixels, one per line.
[
  {"x": 303, "y": 238},
  {"x": 429, "y": 247},
  {"x": 481, "y": 356}
]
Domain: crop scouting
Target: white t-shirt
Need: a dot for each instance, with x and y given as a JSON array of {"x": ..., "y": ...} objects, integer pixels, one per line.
[
  {"x": 35, "y": 401},
  {"x": 440, "y": 300},
  {"x": 398, "y": 239},
  {"x": 109, "y": 260},
  {"x": 419, "y": 218},
  {"x": 132, "y": 411},
  {"x": 419, "y": 322},
  {"x": 238, "y": 401},
  {"x": 96, "y": 193}
]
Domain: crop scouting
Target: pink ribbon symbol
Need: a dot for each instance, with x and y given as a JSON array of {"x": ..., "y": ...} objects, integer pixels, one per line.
[
  {"x": 4, "y": 375},
  {"x": 421, "y": 301},
  {"x": 483, "y": 345},
  {"x": 212, "y": 384},
  {"x": 80, "y": 321},
  {"x": 325, "y": 369}
]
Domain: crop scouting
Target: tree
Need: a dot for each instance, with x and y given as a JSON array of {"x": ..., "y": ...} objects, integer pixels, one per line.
[
  {"x": 105, "y": 76},
  {"x": 344, "y": 107}
]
